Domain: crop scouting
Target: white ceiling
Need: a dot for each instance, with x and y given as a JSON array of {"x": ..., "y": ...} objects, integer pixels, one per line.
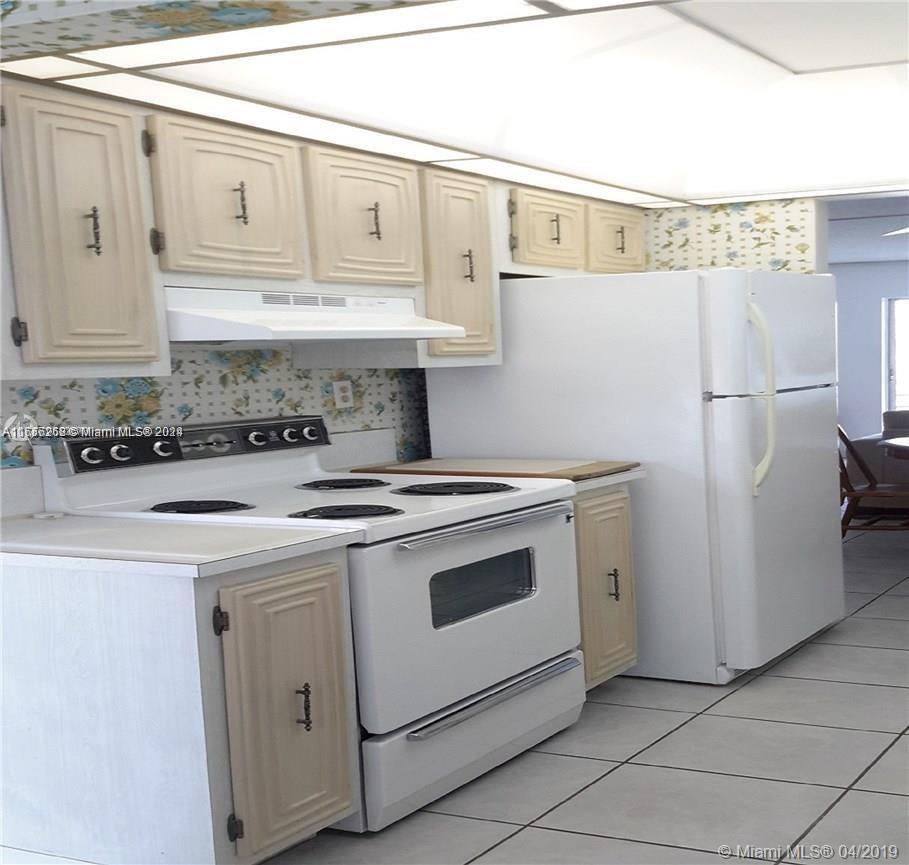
[
  {"x": 634, "y": 97},
  {"x": 643, "y": 98},
  {"x": 806, "y": 37}
]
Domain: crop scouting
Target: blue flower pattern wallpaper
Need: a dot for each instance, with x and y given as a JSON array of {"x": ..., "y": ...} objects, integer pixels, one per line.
[
  {"x": 219, "y": 385},
  {"x": 767, "y": 235}
]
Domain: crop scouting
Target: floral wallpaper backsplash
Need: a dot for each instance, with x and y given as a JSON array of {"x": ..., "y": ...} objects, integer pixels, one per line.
[
  {"x": 766, "y": 235},
  {"x": 31, "y": 28},
  {"x": 208, "y": 386}
]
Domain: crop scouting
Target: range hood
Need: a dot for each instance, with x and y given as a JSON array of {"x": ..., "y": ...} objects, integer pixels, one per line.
[{"x": 236, "y": 315}]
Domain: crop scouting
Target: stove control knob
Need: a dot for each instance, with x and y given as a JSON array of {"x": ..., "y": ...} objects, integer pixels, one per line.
[
  {"x": 121, "y": 453},
  {"x": 163, "y": 449},
  {"x": 257, "y": 438},
  {"x": 92, "y": 456},
  {"x": 311, "y": 433},
  {"x": 290, "y": 435}
]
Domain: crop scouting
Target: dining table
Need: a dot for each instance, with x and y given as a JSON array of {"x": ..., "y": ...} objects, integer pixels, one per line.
[{"x": 898, "y": 448}]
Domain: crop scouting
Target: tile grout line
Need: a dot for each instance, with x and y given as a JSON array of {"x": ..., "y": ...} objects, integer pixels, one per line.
[
  {"x": 618, "y": 765},
  {"x": 627, "y": 760},
  {"x": 845, "y": 792}
]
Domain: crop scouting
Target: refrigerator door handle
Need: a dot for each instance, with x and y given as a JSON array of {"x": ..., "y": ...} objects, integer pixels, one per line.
[{"x": 762, "y": 469}]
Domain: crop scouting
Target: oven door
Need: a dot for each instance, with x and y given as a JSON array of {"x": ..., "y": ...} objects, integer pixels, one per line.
[{"x": 442, "y": 615}]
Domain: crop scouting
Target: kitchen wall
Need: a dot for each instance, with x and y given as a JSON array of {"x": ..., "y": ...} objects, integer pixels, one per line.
[
  {"x": 767, "y": 235},
  {"x": 870, "y": 269},
  {"x": 223, "y": 385}
]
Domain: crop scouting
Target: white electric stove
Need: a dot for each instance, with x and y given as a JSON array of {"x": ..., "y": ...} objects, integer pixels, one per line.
[{"x": 463, "y": 592}]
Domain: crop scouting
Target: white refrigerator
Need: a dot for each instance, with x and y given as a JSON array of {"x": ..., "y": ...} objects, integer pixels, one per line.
[{"x": 722, "y": 383}]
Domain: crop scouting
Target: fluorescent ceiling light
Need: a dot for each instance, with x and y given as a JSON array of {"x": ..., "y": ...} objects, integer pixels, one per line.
[
  {"x": 553, "y": 180},
  {"x": 233, "y": 110},
  {"x": 898, "y": 231},
  {"x": 47, "y": 67},
  {"x": 580, "y": 5},
  {"x": 801, "y": 193},
  {"x": 318, "y": 31}
]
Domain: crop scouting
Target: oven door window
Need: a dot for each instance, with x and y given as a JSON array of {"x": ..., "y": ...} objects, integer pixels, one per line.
[{"x": 477, "y": 587}]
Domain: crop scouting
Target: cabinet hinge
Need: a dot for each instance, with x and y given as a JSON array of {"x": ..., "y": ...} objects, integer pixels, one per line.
[
  {"x": 512, "y": 242},
  {"x": 149, "y": 145},
  {"x": 2, "y": 115},
  {"x": 156, "y": 240},
  {"x": 234, "y": 827},
  {"x": 512, "y": 207},
  {"x": 19, "y": 330},
  {"x": 220, "y": 621}
]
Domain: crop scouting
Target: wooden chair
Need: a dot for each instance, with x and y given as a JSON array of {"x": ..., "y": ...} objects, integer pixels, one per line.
[{"x": 853, "y": 494}]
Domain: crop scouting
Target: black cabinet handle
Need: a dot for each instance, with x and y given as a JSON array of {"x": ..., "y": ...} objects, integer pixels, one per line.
[
  {"x": 95, "y": 217},
  {"x": 471, "y": 275},
  {"x": 243, "y": 215},
  {"x": 614, "y": 573},
  {"x": 557, "y": 223},
  {"x": 306, "y": 693},
  {"x": 377, "y": 228},
  {"x": 620, "y": 245}
]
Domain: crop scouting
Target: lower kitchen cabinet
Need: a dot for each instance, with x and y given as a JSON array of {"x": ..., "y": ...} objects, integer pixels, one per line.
[
  {"x": 172, "y": 717},
  {"x": 286, "y": 705},
  {"x": 606, "y": 584}
]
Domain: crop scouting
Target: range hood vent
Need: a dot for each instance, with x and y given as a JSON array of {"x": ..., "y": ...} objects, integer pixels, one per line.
[{"x": 232, "y": 315}]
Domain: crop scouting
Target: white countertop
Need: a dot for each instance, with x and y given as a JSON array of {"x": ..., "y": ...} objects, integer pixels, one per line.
[{"x": 187, "y": 549}]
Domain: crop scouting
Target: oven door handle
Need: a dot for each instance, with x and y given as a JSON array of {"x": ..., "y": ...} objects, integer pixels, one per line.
[
  {"x": 461, "y": 715},
  {"x": 430, "y": 539}
]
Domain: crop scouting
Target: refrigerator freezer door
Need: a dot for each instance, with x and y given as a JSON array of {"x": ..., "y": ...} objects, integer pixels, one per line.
[
  {"x": 800, "y": 316},
  {"x": 778, "y": 561}
]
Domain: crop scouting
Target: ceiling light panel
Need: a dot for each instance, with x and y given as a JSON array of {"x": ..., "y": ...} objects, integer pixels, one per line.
[
  {"x": 843, "y": 33},
  {"x": 554, "y": 180},
  {"x": 584, "y": 5},
  {"x": 319, "y": 31},
  {"x": 47, "y": 67},
  {"x": 229, "y": 109}
]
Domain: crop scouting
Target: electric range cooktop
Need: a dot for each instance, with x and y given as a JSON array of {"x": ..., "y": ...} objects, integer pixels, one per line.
[{"x": 267, "y": 472}]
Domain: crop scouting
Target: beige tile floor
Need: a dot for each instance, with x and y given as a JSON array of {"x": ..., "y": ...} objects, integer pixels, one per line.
[{"x": 812, "y": 750}]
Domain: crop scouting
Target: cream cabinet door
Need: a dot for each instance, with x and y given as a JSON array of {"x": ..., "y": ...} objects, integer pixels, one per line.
[
  {"x": 82, "y": 267},
  {"x": 615, "y": 238},
  {"x": 364, "y": 218},
  {"x": 286, "y": 709},
  {"x": 227, "y": 199},
  {"x": 606, "y": 589},
  {"x": 547, "y": 228},
  {"x": 459, "y": 286}
]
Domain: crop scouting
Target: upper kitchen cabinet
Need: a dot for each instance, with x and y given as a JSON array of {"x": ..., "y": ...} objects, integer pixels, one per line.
[
  {"x": 615, "y": 238},
  {"x": 459, "y": 275},
  {"x": 81, "y": 265},
  {"x": 364, "y": 218},
  {"x": 228, "y": 200},
  {"x": 547, "y": 228}
]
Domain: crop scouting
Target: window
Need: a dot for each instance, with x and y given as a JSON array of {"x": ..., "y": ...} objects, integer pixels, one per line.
[
  {"x": 478, "y": 587},
  {"x": 898, "y": 355}
]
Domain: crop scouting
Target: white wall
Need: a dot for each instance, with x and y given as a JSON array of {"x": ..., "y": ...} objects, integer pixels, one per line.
[
  {"x": 869, "y": 270},
  {"x": 862, "y": 289}
]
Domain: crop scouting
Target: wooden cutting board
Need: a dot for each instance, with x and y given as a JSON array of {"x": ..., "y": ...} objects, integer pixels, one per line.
[{"x": 572, "y": 470}]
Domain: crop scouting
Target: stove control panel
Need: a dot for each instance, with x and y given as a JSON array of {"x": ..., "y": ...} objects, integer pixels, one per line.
[{"x": 196, "y": 442}]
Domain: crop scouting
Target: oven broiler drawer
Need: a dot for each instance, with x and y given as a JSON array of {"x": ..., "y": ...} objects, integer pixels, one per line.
[
  {"x": 443, "y": 615},
  {"x": 409, "y": 768}
]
